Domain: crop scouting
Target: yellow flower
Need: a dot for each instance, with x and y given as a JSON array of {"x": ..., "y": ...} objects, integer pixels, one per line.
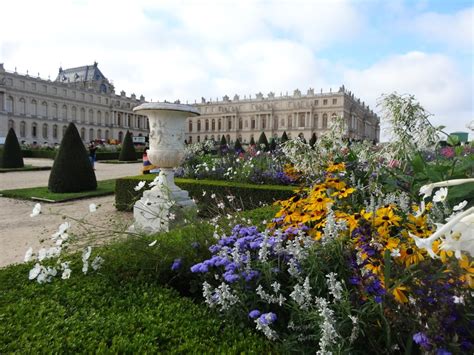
[
  {"x": 392, "y": 243},
  {"x": 411, "y": 256},
  {"x": 374, "y": 266},
  {"x": 318, "y": 202},
  {"x": 344, "y": 192},
  {"x": 399, "y": 294},
  {"x": 333, "y": 168},
  {"x": 335, "y": 183},
  {"x": 386, "y": 217}
]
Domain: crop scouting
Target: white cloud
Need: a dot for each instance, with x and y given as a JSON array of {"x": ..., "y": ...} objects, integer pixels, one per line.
[
  {"x": 455, "y": 30},
  {"x": 434, "y": 79}
]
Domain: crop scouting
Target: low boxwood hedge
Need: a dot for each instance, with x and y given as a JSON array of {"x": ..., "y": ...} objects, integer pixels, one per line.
[
  {"x": 51, "y": 154},
  {"x": 248, "y": 196}
]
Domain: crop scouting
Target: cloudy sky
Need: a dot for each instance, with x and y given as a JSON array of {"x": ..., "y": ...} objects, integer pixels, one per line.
[{"x": 168, "y": 50}]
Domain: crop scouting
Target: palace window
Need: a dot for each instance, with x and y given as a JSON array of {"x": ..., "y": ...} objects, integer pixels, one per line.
[
  {"x": 199, "y": 126},
  {"x": 229, "y": 123},
  {"x": 45, "y": 130},
  {"x": 34, "y": 108},
  {"x": 11, "y": 124},
  {"x": 325, "y": 121},
  {"x": 264, "y": 123},
  {"x": 207, "y": 125},
  {"x": 64, "y": 130},
  {"x": 301, "y": 120},
  {"x": 55, "y": 131},
  {"x": 91, "y": 116},
  {"x": 22, "y": 106},
  {"x": 83, "y": 133},
  {"x": 64, "y": 112},
  {"x": 290, "y": 121},
  {"x": 99, "y": 134},
  {"x": 219, "y": 124},
  {"x": 91, "y": 134},
  {"x": 44, "y": 109},
  {"x": 325, "y": 102},
  {"x": 9, "y": 107},
  {"x": 240, "y": 123},
  {"x": 252, "y": 123},
  {"x": 99, "y": 118},
  {"x": 213, "y": 124},
  {"x": 316, "y": 102},
  {"x": 107, "y": 136},
  {"x": 190, "y": 126},
  {"x": 315, "y": 121},
  {"x": 55, "y": 110},
  {"x": 74, "y": 113},
  {"x": 22, "y": 129},
  {"x": 34, "y": 130},
  {"x": 334, "y": 101}
]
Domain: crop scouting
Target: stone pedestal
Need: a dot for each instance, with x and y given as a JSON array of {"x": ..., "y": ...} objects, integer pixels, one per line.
[{"x": 165, "y": 205}]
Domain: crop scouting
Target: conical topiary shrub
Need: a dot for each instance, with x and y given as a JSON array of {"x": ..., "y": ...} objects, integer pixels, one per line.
[
  {"x": 273, "y": 145},
  {"x": 263, "y": 141},
  {"x": 223, "y": 145},
  {"x": 252, "y": 141},
  {"x": 284, "y": 137},
  {"x": 12, "y": 156},
  {"x": 313, "y": 140},
  {"x": 128, "y": 150},
  {"x": 237, "y": 146},
  {"x": 72, "y": 170}
]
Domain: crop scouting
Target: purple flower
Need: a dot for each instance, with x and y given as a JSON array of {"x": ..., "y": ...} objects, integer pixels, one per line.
[
  {"x": 267, "y": 318},
  {"x": 422, "y": 340},
  {"x": 201, "y": 267},
  {"x": 254, "y": 314},
  {"x": 176, "y": 264},
  {"x": 443, "y": 352},
  {"x": 230, "y": 277}
]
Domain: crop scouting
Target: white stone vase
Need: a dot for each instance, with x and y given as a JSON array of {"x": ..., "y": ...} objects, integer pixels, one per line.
[{"x": 165, "y": 204}]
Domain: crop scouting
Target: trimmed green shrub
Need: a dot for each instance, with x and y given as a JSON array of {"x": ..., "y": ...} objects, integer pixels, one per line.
[
  {"x": 284, "y": 137},
  {"x": 238, "y": 146},
  {"x": 223, "y": 141},
  {"x": 313, "y": 140},
  {"x": 11, "y": 157},
  {"x": 128, "y": 150},
  {"x": 262, "y": 140},
  {"x": 248, "y": 195},
  {"x": 72, "y": 170},
  {"x": 252, "y": 141},
  {"x": 273, "y": 144}
]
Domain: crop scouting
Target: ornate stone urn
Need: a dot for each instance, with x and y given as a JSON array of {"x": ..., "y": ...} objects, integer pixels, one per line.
[{"x": 165, "y": 203}]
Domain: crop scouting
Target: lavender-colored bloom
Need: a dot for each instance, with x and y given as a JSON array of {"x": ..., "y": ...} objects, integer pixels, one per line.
[
  {"x": 201, "y": 267},
  {"x": 422, "y": 340},
  {"x": 254, "y": 314},
  {"x": 248, "y": 276},
  {"x": 230, "y": 277},
  {"x": 267, "y": 318},
  {"x": 443, "y": 352},
  {"x": 176, "y": 264}
]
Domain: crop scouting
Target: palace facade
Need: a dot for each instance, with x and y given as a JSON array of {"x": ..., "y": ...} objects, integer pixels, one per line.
[
  {"x": 39, "y": 110},
  {"x": 298, "y": 115}
]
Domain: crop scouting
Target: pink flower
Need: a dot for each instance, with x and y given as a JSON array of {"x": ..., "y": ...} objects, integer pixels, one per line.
[{"x": 448, "y": 152}]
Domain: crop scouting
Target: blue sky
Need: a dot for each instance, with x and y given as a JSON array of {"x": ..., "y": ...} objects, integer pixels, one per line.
[{"x": 168, "y": 50}]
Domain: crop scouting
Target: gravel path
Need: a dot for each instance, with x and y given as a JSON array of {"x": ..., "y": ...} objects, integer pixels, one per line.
[{"x": 18, "y": 231}]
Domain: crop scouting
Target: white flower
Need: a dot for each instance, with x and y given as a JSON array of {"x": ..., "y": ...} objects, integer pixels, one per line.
[
  {"x": 458, "y": 300},
  {"x": 36, "y": 210},
  {"x": 204, "y": 193},
  {"x": 140, "y": 186},
  {"x": 86, "y": 253},
  {"x": 425, "y": 243},
  {"x": 440, "y": 195},
  {"x": 85, "y": 267},
  {"x": 92, "y": 207},
  {"x": 97, "y": 263},
  {"x": 28, "y": 254},
  {"x": 221, "y": 205},
  {"x": 213, "y": 196},
  {"x": 460, "y": 206},
  {"x": 34, "y": 272},
  {"x": 230, "y": 198},
  {"x": 152, "y": 243},
  {"x": 426, "y": 190},
  {"x": 42, "y": 253},
  {"x": 460, "y": 237},
  {"x": 172, "y": 216},
  {"x": 395, "y": 253},
  {"x": 66, "y": 274}
]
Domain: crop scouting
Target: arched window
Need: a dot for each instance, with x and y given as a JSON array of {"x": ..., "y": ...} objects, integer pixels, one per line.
[
  {"x": 64, "y": 112},
  {"x": 120, "y": 136},
  {"x": 190, "y": 140},
  {"x": 99, "y": 134},
  {"x": 229, "y": 124},
  {"x": 83, "y": 115},
  {"x": 44, "y": 109},
  {"x": 240, "y": 123},
  {"x": 74, "y": 113},
  {"x": 219, "y": 124},
  {"x": 64, "y": 130},
  {"x": 129, "y": 120},
  {"x": 22, "y": 106},
  {"x": 34, "y": 108},
  {"x": 83, "y": 133},
  {"x": 91, "y": 116},
  {"x": 9, "y": 102},
  {"x": 205, "y": 137},
  {"x": 290, "y": 121},
  {"x": 119, "y": 119},
  {"x": 246, "y": 123},
  {"x": 34, "y": 129},
  {"x": 91, "y": 134},
  {"x": 190, "y": 126},
  {"x": 55, "y": 131},
  {"x": 45, "y": 130},
  {"x": 325, "y": 120},
  {"x": 99, "y": 118},
  {"x": 198, "y": 126},
  {"x": 107, "y": 119},
  {"x": 213, "y": 124},
  {"x": 106, "y": 135},
  {"x": 22, "y": 129},
  {"x": 198, "y": 139},
  {"x": 282, "y": 122},
  {"x": 11, "y": 124},
  {"x": 316, "y": 121},
  {"x": 264, "y": 123},
  {"x": 252, "y": 123},
  {"x": 55, "y": 110},
  {"x": 301, "y": 119},
  {"x": 207, "y": 125}
]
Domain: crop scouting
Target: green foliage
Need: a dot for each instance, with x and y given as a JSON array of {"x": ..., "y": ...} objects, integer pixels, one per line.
[
  {"x": 128, "y": 150},
  {"x": 284, "y": 137},
  {"x": 104, "y": 187},
  {"x": 313, "y": 140},
  {"x": 72, "y": 170},
  {"x": 248, "y": 195},
  {"x": 252, "y": 141},
  {"x": 273, "y": 145},
  {"x": 262, "y": 140},
  {"x": 223, "y": 141},
  {"x": 105, "y": 313},
  {"x": 238, "y": 146},
  {"x": 11, "y": 157}
]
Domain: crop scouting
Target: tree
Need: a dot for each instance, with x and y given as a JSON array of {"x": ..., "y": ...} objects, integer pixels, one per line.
[
  {"x": 273, "y": 145},
  {"x": 252, "y": 141},
  {"x": 12, "y": 156},
  {"x": 72, "y": 170},
  {"x": 237, "y": 146},
  {"x": 263, "y": 141},
  {"x": 313, "y": 140},
  {"x": 284, "y": 137},
  {"x": 223, "y": 141},
  {"x": 128, "y": 150}
]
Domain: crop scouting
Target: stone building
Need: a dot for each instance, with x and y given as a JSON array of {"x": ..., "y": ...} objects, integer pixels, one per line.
[
  {"x": 298, "y": 115},
  {"x": 39, "y": 110}
]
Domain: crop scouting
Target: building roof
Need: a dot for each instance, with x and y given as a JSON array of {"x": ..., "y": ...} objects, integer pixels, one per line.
[{"x": 84, "y": 73}]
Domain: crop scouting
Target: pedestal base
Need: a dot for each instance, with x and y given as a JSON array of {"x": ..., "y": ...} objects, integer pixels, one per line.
[{"x": 163, "y": 207}]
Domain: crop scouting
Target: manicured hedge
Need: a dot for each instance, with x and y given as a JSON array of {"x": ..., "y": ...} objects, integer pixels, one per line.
[
  {"x": 248, "y": 196},
  {"x": 51, "y": 154}
]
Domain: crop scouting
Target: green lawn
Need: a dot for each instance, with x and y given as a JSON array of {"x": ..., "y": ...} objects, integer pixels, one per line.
[{"x": 105, "y": 187}]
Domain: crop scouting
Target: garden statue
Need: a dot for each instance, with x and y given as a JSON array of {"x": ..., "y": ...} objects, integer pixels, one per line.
[{"x": 165, "y": 204}]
